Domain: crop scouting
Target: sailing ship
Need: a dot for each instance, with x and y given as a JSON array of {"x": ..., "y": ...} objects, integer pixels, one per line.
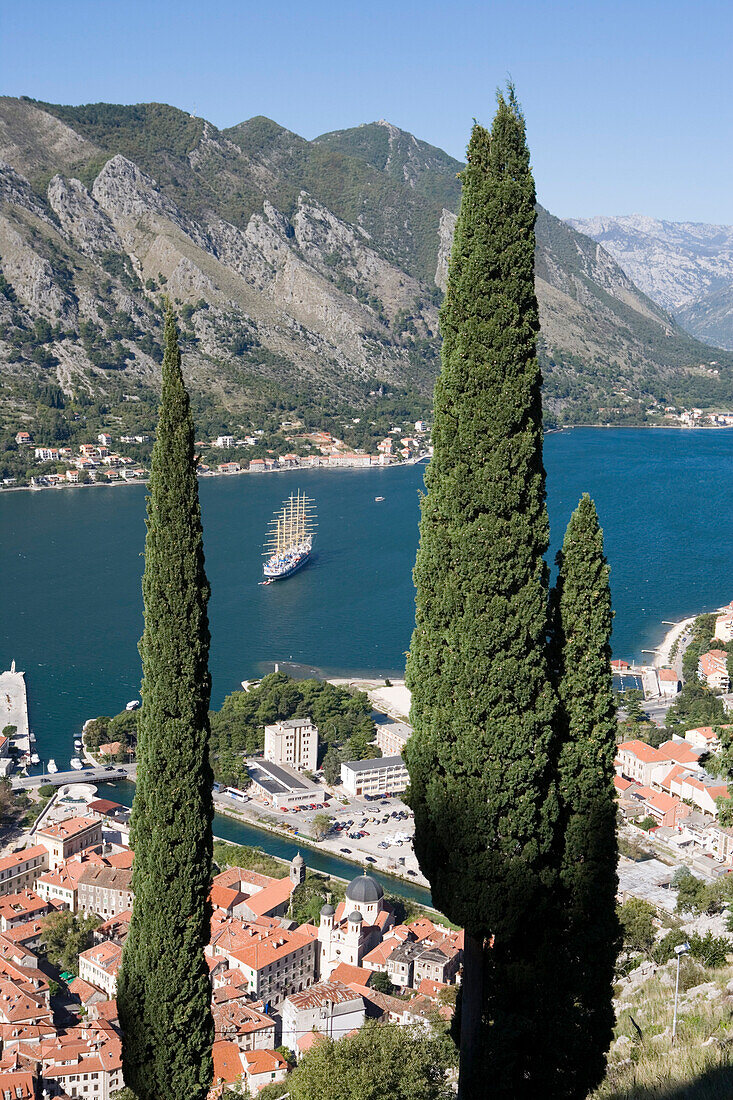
[{"x": 290, "y": 540}]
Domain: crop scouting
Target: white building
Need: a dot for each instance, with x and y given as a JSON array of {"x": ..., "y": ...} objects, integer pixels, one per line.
[
  {"x": 712, "y": 669},
  {"x": 281, "y": 786},
  {"x": 293, "y": 742},
  {"x": 723, "y": 627},
  {"x": 224, "y": 441},
  {"x": 330, "y": 1008},
  {"x": 392, "y": 737},
  {"x": 357, "y": 925},
  {"x": 387, "y": 775}
]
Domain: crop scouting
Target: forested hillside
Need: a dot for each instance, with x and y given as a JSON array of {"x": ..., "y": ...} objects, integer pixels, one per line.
[{"x": 307, "y": 277}]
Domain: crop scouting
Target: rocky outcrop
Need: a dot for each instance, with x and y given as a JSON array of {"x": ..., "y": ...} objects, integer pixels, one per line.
[{"x": 81, "y": 217}]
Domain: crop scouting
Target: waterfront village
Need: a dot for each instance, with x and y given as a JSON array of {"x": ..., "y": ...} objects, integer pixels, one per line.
[
  {"x": 281, "y": 983},
  {"x": 97, "y": 462}
]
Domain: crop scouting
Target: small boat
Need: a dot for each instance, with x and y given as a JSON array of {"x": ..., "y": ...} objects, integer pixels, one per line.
[
  {"x": 52, "y": 766},
  {"x": 134, "y": 704},
  {"x": 35, "y": 758},
  {"x": 76, "y": 763},
  {"x": 377, "y": 499},
  {"x": 78, "y": 743}
]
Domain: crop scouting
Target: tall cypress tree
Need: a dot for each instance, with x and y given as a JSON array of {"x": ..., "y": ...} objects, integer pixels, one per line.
[
  {"x": 482, "y": 702},
  {"x": 164, "y": 995},
  {"x": 581, "y": 620}
]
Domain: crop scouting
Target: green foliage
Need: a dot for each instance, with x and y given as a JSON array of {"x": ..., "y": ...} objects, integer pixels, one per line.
[
  {"x": 380, "y": 981},
  {"x": 710, "y": 950},
  {"x": 695, "y": 706},
  {"x": 163, "y": 987},
  {"x": 588, "y": 941},
  {"x": 703, "y": 629},
  {"x": 402, "y": 1063},
  {"x": 253, "y": 859},
  {"x": 482, "y": 703},
  {"x": 340, "y": 715},
  {"x": 64, "y": 935},
  {"x": 321, "y": 825},
  {"x": 309, "y": 897},
  {"x": 637, "y": 924},
  {"x": 696, "y": 896},
  {"x": 332, "y": 766}
]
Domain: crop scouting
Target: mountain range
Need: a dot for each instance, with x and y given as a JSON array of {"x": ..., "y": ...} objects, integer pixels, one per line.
[
  {"x": 686, "y": 267},
  {"x": 305, "y": 273}
]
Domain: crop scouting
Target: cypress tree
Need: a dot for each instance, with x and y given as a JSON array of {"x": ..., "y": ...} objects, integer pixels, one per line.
[
  {"x": 164, "y": 995},
  {"x": 581, "y": 620},
  {"x": 482, "y": 702}
]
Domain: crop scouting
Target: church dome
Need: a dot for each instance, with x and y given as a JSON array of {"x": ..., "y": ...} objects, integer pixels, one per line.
[
  {"x": 298, "y": 860},
  {"x": 364, "y": 889},
  {"x": 356, "y": 917},
  {"x": 327, "y": 911}
]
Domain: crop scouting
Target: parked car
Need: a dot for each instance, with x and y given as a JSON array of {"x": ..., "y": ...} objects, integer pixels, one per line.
[
  {"x": 370, "y": 859},
  {"x": 347, "y": 851},
  {"x": 411, "y": 872}
]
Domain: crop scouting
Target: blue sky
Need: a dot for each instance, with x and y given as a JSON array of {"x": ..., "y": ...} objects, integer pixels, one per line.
[{"x": 628, "y": 104}]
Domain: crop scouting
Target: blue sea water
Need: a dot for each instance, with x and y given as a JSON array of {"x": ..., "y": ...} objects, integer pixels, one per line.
[{"x": 71, "y": 562}]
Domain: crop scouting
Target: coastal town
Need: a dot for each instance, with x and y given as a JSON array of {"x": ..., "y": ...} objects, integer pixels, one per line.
[
  {"x": 277, "y": 984},
  {"x": 281, "y": 983},
  {"x": 91, "y": 463}
]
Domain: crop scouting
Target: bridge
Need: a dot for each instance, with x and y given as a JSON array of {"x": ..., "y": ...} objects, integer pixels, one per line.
[{"x": 88, "y": 774}]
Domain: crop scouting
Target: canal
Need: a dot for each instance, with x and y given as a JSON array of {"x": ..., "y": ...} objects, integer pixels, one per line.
[{"x": 240, "y": 832}]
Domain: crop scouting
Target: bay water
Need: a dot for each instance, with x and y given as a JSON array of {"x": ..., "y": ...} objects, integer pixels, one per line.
[{"x": 71, "y": 562}]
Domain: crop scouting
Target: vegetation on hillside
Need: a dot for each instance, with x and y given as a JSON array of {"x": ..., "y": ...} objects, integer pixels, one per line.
[{"x": 343, "y": 718}]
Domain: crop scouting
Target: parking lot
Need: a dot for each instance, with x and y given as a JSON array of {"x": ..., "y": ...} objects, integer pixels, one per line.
[{"x": 377, "y": 833}]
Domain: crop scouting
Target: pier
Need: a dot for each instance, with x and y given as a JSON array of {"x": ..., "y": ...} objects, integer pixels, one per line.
[{"x": 14, "y": 709}]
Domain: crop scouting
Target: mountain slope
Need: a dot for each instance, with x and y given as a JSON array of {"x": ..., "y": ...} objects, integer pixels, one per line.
[
  {"x": 306, "y": 274},
  {"x": 686, "y": 267}
]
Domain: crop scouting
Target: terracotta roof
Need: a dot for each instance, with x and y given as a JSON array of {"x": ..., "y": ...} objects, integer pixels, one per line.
[
  {"x": 71, "y": 826},
  {"x": 227, "y": 1061},
  {"x": 642, "y": 751},
  {"x": 323, "y": 993},
  {"x": 622, "y": 784},
  {"x": 263, "y": 1061},
  {"x": 106, "y": 955},
  {"x": 270, "y": 948},
  {"x": 346, "y": 973},
  {"x": 85, "y": 990},
  {"x": 679, "y": 751},
  {"x": 7, "y": 863},
  {"x": 667, "y": 675},
  {"x": 264, "y": 901},
  {"x": 19, "y": 1085}
]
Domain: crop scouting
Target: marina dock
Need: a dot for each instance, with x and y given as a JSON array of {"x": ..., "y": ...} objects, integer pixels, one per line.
[{"x": 14, "y": 708}]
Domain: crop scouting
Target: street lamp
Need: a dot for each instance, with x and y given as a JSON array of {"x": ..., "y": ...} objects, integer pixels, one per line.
[{"x": 680, "y": 950}]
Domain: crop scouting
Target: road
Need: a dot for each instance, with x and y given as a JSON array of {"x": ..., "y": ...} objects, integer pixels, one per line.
[{"x": 86, "y": 775}]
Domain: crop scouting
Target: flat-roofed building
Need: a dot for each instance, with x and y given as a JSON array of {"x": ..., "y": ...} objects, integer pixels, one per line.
[
  {"x": 392, "y": 737},
  {"x": 293, "y": 742},
  {"x": 281, "y": 786},
  {"x": 387, "y": 775}
]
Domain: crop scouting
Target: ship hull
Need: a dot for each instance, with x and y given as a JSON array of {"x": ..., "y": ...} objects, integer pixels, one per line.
[{"x": 288, "y": 571}]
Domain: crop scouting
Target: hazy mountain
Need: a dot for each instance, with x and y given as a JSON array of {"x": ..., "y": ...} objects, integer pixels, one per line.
[
  {"x": 302, "y": 271},
  {"x": 686, "y": 267}
]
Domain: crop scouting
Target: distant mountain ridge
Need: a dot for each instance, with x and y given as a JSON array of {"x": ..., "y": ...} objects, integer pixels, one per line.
[
  {"x": 302, "y": 271},
  {"x": 686, "y": 267}
]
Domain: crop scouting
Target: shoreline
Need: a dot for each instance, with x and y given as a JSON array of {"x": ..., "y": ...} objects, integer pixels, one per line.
[
  {"x": 207, "y": 474},
  {"x": 662, "y": 655}
]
